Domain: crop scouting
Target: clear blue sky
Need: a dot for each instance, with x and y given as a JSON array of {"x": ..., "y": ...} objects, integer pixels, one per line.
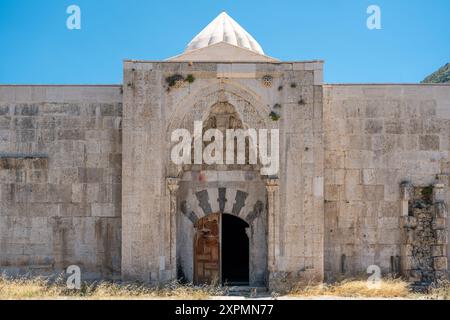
[{"x": 37, "y": 48}]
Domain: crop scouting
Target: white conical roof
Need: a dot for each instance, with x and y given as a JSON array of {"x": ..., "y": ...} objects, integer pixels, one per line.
[{"x": 224, "y": 29}]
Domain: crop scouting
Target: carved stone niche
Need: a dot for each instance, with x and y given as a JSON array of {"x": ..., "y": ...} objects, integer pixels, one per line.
[{"x": 424, "y": 232}]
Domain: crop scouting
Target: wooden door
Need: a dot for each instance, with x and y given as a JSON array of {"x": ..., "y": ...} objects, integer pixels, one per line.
[{"x": 207, "y": 250}]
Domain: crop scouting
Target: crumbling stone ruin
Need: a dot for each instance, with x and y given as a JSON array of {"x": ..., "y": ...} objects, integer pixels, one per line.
[{"x": 425, "y": 233}]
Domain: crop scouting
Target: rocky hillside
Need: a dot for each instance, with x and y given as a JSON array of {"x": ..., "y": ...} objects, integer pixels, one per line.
[{"x": 440, "y": 76}]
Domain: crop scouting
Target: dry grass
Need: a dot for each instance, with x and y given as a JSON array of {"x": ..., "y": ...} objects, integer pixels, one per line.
[
  {"x": 41, "y": 288},
  {"x": 389, "y": 288}
]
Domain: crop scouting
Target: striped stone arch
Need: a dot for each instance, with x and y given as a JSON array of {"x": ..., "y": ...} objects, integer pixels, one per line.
[{"x": 223, "y": 200}]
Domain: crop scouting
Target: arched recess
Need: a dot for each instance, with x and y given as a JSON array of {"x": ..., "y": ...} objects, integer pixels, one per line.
[
  {"x": 197, "y": 106},
  {"x": 219, "y": 91},
  {"x": 244, "y": 205},
  {"x": 229, "y": 190}
]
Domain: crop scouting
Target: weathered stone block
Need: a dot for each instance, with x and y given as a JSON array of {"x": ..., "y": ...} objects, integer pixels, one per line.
[
  {"x": 63, "y": 176},
  {"x": 407, "y": 250},
  {"x": 44, "y": 209},
  {"x": 37, "y": 176},
  {"x": 407, "y": 263},
  {"x": 115, "y": 161},
  {"x": 4, "y": 110},
  {"x": 332, "y": 192},
  {"x": 373, "y": 126},
  {"x": 103, "y": 210},
  {"x": 408, "y": 222},
  {"x": 441, "y": 275},
  {"x": 373, "y": 193},
  {"x": 78, "y": 192},
  {"x": 415, "y": 126},
  {"x": 39, "y": 193},
  {"x": 440, "y": 263},
  {"x": 38, "y": 163},
  {"x": 60, "y": 193},
  {"x": 441, "y": 237},
  {"x": 439, "y": 193},
  {"x": 374, "y": 109},
  {"x": 5, "y": 122},
  {"x": 70, "y": 134},
  {"x": 90, "y": 175},
  {"x": 97, "y": 160},
  {"x": 74, "y": 210},
  {"x": 390, "y": 209},
  {"x": 25, "y": 123},
  {"x": 440, "y": 210},
  {"x": 26, "y": 110},
  {"x": 25, "y": 136},
  {"x": 368, "y": 176},
  {"x": 394, "y": 126},
  {"x": 429, "y": 142},
  {"x": 438, "y": 251},
  {"x": 439, "y": 224},
  {"x": 428, "y": 108},
  {"x": 409, "y": 236}
]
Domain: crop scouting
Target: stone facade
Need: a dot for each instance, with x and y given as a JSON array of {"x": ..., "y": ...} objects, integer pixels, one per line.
[
  {"x": 376, "y": 138},
  {"x": 60, "y": 179},
  {"x": 86, "y": 176},
  {"x": 292, "y": 219}
]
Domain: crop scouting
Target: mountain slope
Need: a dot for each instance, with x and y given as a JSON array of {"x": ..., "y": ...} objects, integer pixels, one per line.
[{"x": 440, "y": 76}]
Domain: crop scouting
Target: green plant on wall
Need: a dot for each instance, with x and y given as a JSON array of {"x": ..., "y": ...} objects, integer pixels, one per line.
[
  {"x": 176, "y": 78},
  {"x": 427, "y": 191},
  {"x": 427, "y": 194},
  {"x": 190, "y": 78},
  {"x": 274, "y": 116},
  {"x": 172, "y": 80}
]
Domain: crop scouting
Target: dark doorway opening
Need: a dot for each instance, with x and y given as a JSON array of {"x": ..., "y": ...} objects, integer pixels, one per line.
[{"x": 235, "y": 251}]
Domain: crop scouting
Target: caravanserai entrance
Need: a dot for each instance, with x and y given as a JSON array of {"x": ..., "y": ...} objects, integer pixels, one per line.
[{"x": 221, "y": 250}]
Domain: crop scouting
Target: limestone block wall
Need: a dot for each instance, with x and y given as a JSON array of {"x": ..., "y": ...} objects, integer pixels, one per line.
[
  {"x": 299, "y": 201},
  {"x": 376, "y": 137},
  {"x": 153, "y": 108},
  {"x": 60, "y": 179},
  {"x": 143, "y": 186}
]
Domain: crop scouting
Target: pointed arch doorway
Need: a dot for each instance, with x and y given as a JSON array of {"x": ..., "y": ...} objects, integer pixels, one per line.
[{"x": 221, "y": 250}]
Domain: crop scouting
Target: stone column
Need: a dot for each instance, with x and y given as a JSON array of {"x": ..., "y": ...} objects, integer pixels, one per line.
[
  {"x": 171, "y": 225},
  {"x": 272, "y": 186}
]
